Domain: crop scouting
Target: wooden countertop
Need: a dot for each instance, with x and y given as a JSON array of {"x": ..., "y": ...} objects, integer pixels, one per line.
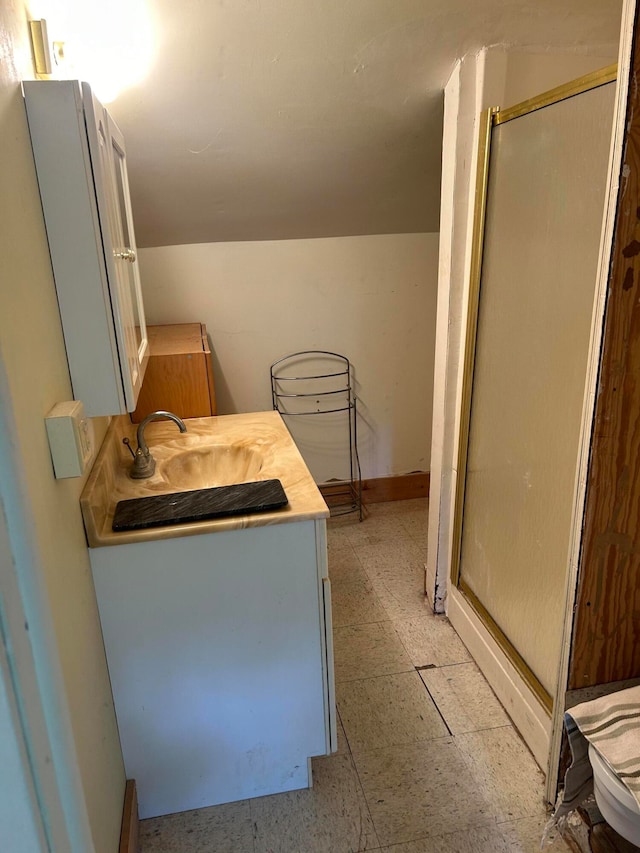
[
  {"x": 255, "y": 446},
  {"x": 176, "y": 339}
]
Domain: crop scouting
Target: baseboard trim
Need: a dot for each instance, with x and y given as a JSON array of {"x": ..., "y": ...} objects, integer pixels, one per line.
[
  {"x": 527, "y": 713},
  {"x": 130, "y": 821},
  {"x": 400, "y": 488},
  {"x": 588, "y": 694},
  {"x": 382, "y": 489}
]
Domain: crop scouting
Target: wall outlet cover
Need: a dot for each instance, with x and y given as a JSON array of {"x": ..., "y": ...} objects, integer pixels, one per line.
[{"x": 70, "y": 436}]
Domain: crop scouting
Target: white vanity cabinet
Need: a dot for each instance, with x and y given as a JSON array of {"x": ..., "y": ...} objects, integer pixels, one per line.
[
  {"x": 221, "y": 662},
  {"x": 81, "y": 166}
]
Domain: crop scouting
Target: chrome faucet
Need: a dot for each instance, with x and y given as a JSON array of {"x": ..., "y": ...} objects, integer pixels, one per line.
[{"x": 144, "y": 464}]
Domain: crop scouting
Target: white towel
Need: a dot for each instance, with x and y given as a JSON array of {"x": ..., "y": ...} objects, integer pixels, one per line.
[{"x": 612, "y": 724}]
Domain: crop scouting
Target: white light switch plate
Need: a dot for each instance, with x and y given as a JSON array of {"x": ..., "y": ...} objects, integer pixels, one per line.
[{"x": 70, "y": 436}]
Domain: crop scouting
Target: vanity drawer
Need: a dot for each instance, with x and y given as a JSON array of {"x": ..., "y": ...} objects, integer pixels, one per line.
[{"x": 179, "y": 376}]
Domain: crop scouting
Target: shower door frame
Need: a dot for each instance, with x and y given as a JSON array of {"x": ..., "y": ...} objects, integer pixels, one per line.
[
  {"x": 494, "y": 117},
  {"x": 465, "y": 607}
]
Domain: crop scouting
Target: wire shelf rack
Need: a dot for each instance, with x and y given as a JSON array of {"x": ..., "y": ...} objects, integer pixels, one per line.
[{"x": 319, "y": 383}]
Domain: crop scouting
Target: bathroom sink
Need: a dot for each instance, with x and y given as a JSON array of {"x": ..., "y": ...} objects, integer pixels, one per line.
[
  {"x": 208, "y": 465},
  {"x": 221, "y": 451}
]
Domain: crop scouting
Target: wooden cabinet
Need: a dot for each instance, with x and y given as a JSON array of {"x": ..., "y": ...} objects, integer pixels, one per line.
[{"x": 179, "y": 377}]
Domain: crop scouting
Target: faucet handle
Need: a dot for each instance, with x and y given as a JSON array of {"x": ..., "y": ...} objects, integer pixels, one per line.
[{"x": 127, "y": 442}]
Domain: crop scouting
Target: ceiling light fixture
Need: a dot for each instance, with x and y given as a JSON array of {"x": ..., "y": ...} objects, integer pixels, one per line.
[{"x": 112, "y": 52}]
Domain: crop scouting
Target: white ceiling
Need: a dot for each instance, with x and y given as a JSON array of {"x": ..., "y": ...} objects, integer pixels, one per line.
[{"x": 281, "y": 119}]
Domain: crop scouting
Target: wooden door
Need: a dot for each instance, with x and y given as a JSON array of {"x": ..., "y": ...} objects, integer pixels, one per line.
[{"x": 606, "y": 632}]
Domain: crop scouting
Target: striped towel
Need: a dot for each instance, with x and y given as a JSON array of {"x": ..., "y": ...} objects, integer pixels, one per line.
[{"x": 612, "y": 725}]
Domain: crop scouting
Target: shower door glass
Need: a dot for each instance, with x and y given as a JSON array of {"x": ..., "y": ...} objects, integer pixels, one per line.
[{"x": 544, "y": 211}]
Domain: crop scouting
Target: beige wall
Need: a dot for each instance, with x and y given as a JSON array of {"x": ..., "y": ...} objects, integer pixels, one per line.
[
  {"x": 528, "y": 74},
  {"x": 370, "y": 298},
  {"x": 32, "y": 349}
]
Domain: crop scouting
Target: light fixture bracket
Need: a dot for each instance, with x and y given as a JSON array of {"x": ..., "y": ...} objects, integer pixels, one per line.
[{"x": 40, "y": 45}]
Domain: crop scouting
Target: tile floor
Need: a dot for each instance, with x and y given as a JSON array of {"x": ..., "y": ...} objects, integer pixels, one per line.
[{"x": 428, "y": 761}]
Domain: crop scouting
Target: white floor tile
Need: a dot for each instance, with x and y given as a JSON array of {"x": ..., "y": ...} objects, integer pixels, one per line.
[
  {"x": 333, "y": 815},
  {"x": 355, "y": 603},
  {"x": 389, "y": 710},
  {"x": 363, "y": 651},
  {"x": 402, "y": 597},
  {"x": 227, "y": 827},
  {"x": 464, "y": 698},
  {"x": 421, "y": 789},
  {"x": 344, "y": 566},
  {"x": 431, "y": 641},
  {"x": 475, "y": 839},
  {"x": 397, "y": 557},
  {"x": 505, "y": 770},
  {"x": 524, "y": 836}
]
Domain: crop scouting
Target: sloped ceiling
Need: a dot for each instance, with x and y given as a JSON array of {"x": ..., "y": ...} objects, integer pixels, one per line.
[{"x": 282, "y": 119}]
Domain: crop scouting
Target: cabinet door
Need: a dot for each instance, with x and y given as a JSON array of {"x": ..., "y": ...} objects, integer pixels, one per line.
[
  {"x": 67, "y": 189},
  {"x": 108, "y": 157},
  {"x": 216, "y": 667}
]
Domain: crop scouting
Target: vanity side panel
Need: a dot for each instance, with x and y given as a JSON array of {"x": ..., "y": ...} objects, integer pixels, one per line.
[
  {"x": 326, "y": 627},
  {"x": 216, "y": 661}
]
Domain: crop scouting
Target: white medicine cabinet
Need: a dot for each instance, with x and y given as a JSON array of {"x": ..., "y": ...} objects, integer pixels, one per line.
[{"x": 80, "y": 161}]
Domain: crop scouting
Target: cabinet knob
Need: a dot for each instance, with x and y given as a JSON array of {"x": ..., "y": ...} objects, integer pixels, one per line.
[{"x": 126, "y": 255}]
